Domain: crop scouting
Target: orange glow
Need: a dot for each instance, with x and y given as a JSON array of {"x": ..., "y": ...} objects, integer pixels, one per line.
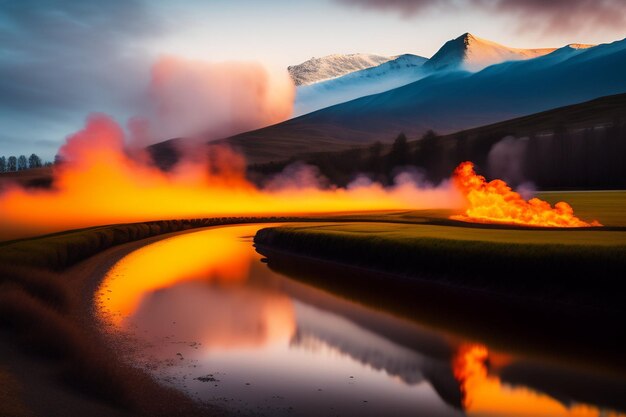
[
  {"x": 187, "y": 257},
  {"x": 484, "y": 394},
  {"x": 198, "y": 277},
  {"x": 496, "y": 202},
  {"x": 101, "y": 184}
]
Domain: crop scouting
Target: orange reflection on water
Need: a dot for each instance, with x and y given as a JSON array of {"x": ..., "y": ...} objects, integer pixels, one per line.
[
  {"x": 214, "y": 255},
  {"x": 195, "y": 280},
  {"x": 484, "y": 394},
  {"x": 216, "y": 317}
]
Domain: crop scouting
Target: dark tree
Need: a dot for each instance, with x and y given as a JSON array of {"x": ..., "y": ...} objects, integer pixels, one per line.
[
  {"x": 12, "y": 164},
  {"x": 34, "y": 161},
  {"x": 22, "y": 163},
  {"x": 375, "y": 159},
  {"x": 429, "y": 155},
  {"x": 400, "y": 152},
  {"x": 3, "y": 164}
]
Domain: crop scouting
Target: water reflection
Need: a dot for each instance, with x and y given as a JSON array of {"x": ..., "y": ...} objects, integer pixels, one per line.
[
  {"x": 215, "y": 322},
  {"x": 484, "y": 393}
]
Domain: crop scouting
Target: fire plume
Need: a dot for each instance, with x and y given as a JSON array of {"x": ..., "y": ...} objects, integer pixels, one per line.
[
  {"x": 100, "y": 183},
  {"x": 496, "y": 202}
]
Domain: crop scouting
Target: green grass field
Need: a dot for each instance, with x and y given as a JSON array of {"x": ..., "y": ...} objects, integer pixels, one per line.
[
  {"x": 608, "y": 207},
  {"x": 584, "y": 266},
  {"x": 403, "y": 233},
  {"x": 550, "y": 292}
]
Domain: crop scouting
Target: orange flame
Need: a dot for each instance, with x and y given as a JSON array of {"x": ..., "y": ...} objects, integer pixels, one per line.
[
  {"x": 496, "y": 202},
  {"x": 101, "y": 184}
]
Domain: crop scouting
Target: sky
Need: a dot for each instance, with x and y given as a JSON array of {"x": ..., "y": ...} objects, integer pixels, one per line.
[{"x": 61, "y": 60}]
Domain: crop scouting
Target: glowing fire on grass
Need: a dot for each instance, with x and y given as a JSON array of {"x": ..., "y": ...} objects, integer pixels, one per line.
[
  {"x": 101, "y": 183},
  {"x": 496, "y": 202}
]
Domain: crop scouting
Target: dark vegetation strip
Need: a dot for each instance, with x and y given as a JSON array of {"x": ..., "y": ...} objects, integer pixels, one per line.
[
  {"x": 585, "y": 276},
  {"x": 62, "y": 250},
  {"x": 543, "y": 300}
]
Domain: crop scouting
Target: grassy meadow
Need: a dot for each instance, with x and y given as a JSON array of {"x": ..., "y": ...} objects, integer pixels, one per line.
[
  {"x": 608, "y": 207},
  {"x": 577, "y": 266}
]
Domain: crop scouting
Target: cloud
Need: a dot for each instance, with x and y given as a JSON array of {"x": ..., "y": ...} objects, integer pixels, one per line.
[
  {"x": 574, "y": 16},
  {"x": 405, "y": 7},
  {"x": 63, "y": 59},
  {"x": 60, "y": 59}
]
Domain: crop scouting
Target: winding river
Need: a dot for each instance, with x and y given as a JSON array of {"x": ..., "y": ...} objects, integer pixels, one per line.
[{"x": 203, "y": 313}]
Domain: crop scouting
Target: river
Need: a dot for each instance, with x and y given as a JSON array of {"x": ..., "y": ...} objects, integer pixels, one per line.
[{"x": 203, "y": 313}]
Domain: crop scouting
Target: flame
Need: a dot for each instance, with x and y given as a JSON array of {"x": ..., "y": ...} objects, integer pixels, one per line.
[
  {"x": 101, "y": 184},
  {"x": 496, "y": 202},
  {"x": 484, "y": 394}
]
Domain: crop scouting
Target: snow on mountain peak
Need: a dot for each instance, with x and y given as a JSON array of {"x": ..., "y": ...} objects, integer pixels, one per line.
[
  {"x": 332, "y": 66},
  {"x": 580, "y": 46},
  {"x": 471, "y": 53}
]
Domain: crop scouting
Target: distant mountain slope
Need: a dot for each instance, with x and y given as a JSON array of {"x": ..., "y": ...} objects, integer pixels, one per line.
[
  {"x": 465, "y": 53},
  {"x": 331, "y": 66},
  {"x": 458, "y": 100},
  {"x": 471, "y": 53},
  {"x": 581, "y": 146},
  {"x": 403, "y": 70},
  {"x": 449, "y": 102}
]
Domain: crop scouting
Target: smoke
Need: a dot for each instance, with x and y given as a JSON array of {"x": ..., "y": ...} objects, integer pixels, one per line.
[
  {"x": 506, "y": 161},
  {"x": 195, "y": 98},
  {"x": 100, "y": 183},
  {"x": 297, "y": 175}
]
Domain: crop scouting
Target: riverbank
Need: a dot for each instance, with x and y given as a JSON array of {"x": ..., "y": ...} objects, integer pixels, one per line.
[
  {"x": 517, "y": 289},
  {"x": 53, "y": 353},
  {"x": 54, "y": 361}
]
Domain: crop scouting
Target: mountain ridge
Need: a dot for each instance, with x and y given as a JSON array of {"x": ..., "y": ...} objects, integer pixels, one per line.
[
  {"x": 453, "y": 101},
  {"x": 471, "y": 53},
  {"x": 402, "y": 70},
  {"x": 332, "y": 66},
  {"x": 464, "y": 53}
]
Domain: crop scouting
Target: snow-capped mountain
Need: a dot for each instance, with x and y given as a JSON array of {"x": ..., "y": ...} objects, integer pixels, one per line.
[
  {"x": 331, "y": 66},
  {"x": 448, "y": 101},
  {"x": 465, "y": 53},
  {"x": 471, "y": 53},
  {"x": 403, "y": 70}
]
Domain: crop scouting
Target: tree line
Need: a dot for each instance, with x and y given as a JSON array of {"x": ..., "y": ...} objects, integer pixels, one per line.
[
  {"x": 21, "y": 163},
  {"x": 560, "y": 158}
]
